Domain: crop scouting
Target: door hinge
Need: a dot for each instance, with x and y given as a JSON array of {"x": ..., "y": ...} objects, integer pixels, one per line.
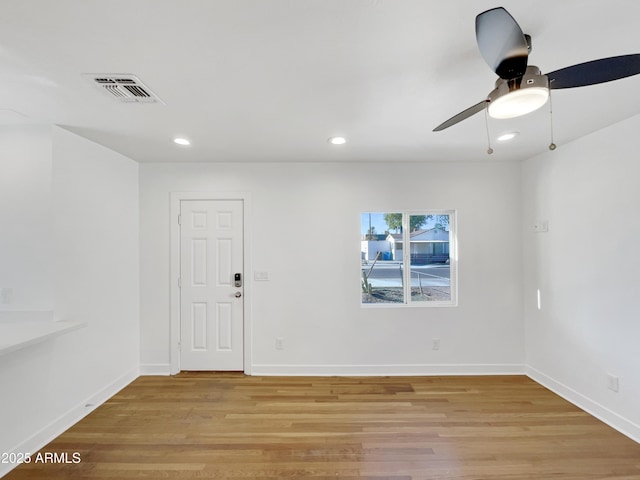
[
  {"x": 179, "y": 282},
  {"x": 179, "y": 219},
  {"x": 179, "y": 345}
]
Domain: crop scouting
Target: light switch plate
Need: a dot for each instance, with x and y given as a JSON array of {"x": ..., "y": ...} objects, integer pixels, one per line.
[{"x": 261, "y": 276}]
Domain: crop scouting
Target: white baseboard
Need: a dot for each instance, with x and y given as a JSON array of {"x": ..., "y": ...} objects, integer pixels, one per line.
[
  {"x": 71, "y": 417},
  {"x": 390, "y": 370},
  {"x": 159, "y": 369},
  {"x": 621, "y": 424}
]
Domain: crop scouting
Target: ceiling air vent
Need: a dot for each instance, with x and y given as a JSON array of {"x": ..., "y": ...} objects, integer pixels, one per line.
[{"x": 124, "y": 88}]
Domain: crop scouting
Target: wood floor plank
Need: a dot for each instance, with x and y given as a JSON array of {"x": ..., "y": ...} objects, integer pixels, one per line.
[{"x": 227, "y": 425}]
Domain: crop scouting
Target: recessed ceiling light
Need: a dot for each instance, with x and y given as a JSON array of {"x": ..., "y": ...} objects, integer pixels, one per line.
[
  {"x": 182, "y": 141},
  {"x": 508, "y": 136},
  {"x": 337, "y": 140}
]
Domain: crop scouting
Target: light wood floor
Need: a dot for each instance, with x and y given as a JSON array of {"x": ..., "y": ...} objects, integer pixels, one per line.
[{"x": 208, "y": 425}]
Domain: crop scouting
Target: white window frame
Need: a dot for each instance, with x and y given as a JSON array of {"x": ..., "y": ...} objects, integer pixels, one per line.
[{"x": 406, "y": 260}]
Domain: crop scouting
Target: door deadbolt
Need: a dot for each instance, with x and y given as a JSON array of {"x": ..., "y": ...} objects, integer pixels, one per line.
[{"x": 238, "y": 295}]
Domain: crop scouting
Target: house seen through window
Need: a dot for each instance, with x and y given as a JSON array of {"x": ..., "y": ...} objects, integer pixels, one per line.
[{"x": 408, "y": 258}]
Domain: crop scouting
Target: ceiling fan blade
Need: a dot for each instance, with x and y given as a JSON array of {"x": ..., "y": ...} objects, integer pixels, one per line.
[
  {"x": 478, "y": 107},
  {"x": 596, "y": 71},
  {"x": 502, "y": 43}
]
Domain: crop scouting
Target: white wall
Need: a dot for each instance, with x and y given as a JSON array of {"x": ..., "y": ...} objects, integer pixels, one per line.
[
  {"x": 313, "y": 301},
  {"x": 26, "y": 222},
  {"x": 73, "y": 231},
  {"x": 93, "y": 252},
  {"x": 587, "y": 269}
]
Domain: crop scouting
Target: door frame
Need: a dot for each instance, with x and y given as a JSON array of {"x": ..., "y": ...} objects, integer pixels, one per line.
[{"x": 174, "y": 337}]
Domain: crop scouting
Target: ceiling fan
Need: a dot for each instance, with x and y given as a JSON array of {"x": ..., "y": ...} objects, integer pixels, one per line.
[{"x": 523, "y": 88}]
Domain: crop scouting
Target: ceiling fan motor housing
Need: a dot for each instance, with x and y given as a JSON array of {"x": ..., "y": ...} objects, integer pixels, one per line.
[{"x": 519, "y": 96}]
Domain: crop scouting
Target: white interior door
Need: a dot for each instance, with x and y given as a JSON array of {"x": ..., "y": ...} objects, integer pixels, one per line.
[{"x": 211, "y": 301}]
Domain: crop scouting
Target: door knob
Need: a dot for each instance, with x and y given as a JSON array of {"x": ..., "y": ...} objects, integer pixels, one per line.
[{"x": 238, "y": 294}]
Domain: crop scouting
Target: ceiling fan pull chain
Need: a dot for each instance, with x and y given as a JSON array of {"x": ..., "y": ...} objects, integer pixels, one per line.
[
  {"x": 552, "y": 145},
  {"x": 486, "y": 122}
]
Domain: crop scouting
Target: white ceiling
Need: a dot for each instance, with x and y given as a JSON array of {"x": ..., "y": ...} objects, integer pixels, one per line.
[{"x": 272, "y": 80}]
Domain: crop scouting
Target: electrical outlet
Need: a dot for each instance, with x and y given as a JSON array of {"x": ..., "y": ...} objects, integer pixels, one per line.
[
  {"x": 435, "y": 345},
  {"x": 613, "y": 382},
  {"x": 279, "y": 343},
  {"x": 5, "y": 296}
]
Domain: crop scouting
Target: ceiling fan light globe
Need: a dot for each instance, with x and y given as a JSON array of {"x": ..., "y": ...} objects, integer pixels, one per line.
[{"x": 518, "y": 102}]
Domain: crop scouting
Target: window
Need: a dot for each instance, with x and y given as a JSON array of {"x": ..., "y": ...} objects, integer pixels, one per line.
[{"x": 408, "y": 258}]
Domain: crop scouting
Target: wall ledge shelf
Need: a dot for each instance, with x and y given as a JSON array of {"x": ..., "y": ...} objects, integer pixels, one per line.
[{"x": 22, "y": 329}]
